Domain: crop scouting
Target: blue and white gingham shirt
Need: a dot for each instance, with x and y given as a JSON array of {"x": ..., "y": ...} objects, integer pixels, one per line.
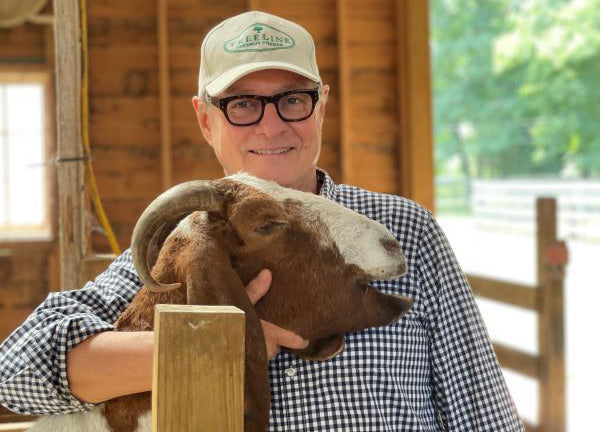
[{"x": 433, "y": 370}]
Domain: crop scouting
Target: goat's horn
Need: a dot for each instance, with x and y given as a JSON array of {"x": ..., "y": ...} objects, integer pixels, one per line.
[{"x": 166, "y": 209}]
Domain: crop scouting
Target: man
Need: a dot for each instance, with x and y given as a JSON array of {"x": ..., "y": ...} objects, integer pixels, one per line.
[{"x": 261, "y": 105}]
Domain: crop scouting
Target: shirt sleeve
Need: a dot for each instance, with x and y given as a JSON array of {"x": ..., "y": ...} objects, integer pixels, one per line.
[
  {"x": 33, "y": 359},
  {"x": 469, "y": 388}
]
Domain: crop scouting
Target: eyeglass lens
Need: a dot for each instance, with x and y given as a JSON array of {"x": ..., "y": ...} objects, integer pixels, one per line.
[{"x": 293, "y": 106}]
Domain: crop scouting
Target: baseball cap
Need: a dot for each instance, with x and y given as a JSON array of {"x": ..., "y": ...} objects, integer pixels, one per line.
[{"x": 250, "y": 42}]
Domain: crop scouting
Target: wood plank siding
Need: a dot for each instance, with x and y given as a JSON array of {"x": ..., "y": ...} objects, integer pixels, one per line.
[
  {"x": 358, "y": 52},
  {"x": 140, "y": 68}
]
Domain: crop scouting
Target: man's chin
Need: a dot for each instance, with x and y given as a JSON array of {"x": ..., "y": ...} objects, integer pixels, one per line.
[{"x": 279, "y": 178}]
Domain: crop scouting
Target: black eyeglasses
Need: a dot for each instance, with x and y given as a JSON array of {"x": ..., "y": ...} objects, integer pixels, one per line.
[{"x": 246, "y": 110}]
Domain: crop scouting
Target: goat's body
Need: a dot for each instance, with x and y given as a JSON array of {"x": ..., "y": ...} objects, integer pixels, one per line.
[{"x": 89, "y": 421}]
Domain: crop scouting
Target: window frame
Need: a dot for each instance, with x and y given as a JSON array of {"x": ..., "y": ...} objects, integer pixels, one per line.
[{"x": 38, "y": 75}]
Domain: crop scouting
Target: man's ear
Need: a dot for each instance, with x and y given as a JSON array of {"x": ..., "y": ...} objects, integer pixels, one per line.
[
  {"x": 201, "y": 109},
  {"x": 322, "y": 103}
]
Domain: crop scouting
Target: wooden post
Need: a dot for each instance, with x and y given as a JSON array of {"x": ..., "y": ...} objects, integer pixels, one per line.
[
  {"x": 92, "y": 265},
  {"x": 346, "y": 155},
  {"x": 165, "y": 94},
  {"x": 198, "y": 378},
  {"x": 414, "y": 96},
  {"x": 548, "y": 367},
  {"x": 70, "y": 169},
  {"x": 552, "y": 258}
]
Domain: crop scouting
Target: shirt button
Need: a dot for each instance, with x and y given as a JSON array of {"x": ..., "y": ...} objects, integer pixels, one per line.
[{"x": 291, "y": 372}]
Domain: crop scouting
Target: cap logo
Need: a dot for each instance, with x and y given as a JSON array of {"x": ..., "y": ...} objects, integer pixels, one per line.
[{"x": 259, "y": 37}]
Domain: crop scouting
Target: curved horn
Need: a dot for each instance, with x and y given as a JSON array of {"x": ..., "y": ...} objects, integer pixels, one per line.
[{"x": 168, "y": 208}]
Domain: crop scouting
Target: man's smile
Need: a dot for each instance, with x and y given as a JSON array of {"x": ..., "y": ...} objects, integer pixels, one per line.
[{"x": 271, "y": 152}]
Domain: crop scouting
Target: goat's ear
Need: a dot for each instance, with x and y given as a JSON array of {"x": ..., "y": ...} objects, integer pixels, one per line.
[
  {"x": 256, "y": 211},
  {"x": 323, "y": 348},
  {"x": 214, "y": 282},
  {"x": 211, "y": 280}
]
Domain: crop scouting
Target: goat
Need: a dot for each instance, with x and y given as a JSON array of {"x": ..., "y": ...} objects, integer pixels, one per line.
[{"x": 217, "y": 235}]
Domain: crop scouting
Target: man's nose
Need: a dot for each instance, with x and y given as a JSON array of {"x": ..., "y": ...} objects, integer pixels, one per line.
[{"x": 271, "y": 124}]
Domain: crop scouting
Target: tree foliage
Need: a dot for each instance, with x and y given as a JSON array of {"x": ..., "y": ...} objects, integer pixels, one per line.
[{"x": 517, "y": 86}]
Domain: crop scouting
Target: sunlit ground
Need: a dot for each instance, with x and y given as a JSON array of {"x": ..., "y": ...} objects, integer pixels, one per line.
[{"x": 511, "y": 256}]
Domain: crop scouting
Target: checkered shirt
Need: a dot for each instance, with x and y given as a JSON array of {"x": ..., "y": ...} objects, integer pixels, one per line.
[{"x": 433, "y": 370}]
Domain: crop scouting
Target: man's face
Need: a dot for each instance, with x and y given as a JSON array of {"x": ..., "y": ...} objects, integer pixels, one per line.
[{"x": 238, "y": 148}]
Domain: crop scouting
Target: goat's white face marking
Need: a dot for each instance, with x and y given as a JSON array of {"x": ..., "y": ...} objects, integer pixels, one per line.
[{"x": 359, "y": 239}]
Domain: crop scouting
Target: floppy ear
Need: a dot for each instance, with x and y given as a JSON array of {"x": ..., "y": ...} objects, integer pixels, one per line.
[{"x": 211, "y": 280}]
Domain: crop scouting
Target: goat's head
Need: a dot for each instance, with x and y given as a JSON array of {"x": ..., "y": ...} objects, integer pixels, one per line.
[{"x": 321, "y": 254}]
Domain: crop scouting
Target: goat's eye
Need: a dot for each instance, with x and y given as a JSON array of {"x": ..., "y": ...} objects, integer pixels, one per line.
[{"x": 269, "y": 226}]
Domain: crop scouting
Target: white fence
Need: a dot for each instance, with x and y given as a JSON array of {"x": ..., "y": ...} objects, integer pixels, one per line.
[{"x": 509, "y": 205}]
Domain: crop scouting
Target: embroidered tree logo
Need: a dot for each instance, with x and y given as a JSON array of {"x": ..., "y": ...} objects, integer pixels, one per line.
[{"x": 259, "y": 37}]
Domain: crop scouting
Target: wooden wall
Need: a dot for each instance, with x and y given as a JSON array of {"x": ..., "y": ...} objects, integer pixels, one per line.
[
  {"x": 28, "y": 269},
  {"x": 362, "y": 53},
  {"x": 373, "y": 54}
]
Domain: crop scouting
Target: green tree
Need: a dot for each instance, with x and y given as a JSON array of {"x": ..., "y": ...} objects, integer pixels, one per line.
[
  {"x": 516, "y": 86},
  {"x": 557, "y": 45}
]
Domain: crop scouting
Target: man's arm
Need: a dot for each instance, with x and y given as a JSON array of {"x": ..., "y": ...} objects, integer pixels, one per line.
[
  {"x": 63, "y": 358},
  {"x": 111, "y": 364},
  {"x": 470, "y": 391},
  {"x": 33, "y": 359}
]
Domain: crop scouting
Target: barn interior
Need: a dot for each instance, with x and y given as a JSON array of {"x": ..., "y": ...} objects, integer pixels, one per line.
[{"x": 117, "y": 128}]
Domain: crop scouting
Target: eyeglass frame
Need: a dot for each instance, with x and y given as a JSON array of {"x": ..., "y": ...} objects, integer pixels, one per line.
[{"x": 222, "y": 103}]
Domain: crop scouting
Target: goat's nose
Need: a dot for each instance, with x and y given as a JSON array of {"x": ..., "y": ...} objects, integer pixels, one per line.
[{"x": 392, "y": 246}]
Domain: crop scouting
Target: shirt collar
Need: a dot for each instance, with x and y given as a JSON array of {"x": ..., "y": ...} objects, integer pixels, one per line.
[{"x": 327, "y": 189}]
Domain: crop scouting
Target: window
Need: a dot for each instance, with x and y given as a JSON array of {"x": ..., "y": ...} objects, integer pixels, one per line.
[{"x": 23, "y": 154}]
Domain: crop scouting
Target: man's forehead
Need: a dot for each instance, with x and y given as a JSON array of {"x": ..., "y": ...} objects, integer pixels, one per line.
[{"x": 271, "y": 81}]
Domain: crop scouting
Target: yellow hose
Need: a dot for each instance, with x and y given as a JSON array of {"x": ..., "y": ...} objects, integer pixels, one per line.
[{"x": 85, "y": 136}]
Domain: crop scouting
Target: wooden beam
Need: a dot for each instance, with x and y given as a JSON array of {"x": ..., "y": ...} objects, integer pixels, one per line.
[
  {"x": 514, "y": 294},
  {"x": 50, "y": 135},
  {"x": 368, "y": 144},
  {"x": 198, "y": 378},
  {"x": 519, "y": 361},
  {"x": 551, "y": 326},
  {"x": 344, "y": 91},
  {"x": 414, "y": 96},
  {"x": 70, "y": 164},
  {"x": 93, "y": 265},
  {"x": 165, "y": 95}
]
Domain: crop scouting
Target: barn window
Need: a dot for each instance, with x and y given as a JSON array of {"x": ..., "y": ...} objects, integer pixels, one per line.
[{"x": 24, "y": 209}]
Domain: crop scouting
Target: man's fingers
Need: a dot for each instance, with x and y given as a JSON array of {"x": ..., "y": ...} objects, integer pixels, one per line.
[
  {"x": 283, "y": 337},
  {"x": 275, "y": 336},
  {"x": 259, "y": 286}
]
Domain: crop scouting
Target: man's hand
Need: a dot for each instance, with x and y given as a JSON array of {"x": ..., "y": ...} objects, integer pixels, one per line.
[{"x": 275, "y": 336}]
